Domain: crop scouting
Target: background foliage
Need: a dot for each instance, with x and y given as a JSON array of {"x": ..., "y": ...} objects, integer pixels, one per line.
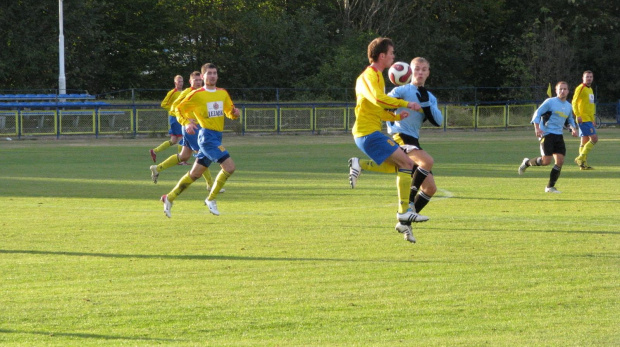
[{"x": 120, "y": 44}]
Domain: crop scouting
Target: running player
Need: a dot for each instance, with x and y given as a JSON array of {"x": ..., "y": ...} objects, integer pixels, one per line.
[
  {"x": 407, "y": 133},
  {"x": 175, "y": 128},
  {"x": 189, "y": 142},
  {"x": 549, "y": 120},
  {"x": 584, "y": 109},
  {"x": 372, "y": 108},
  {"x": 206, "y": 106}
]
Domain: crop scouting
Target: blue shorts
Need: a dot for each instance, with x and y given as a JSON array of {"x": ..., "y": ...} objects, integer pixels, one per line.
[
  {"x": 377, "y": 146},
  {"x": 176, "y": 129},
  {"x": 210, "y": 143},
  {"x": 586, "y": 129},
  {"x": 191, "y": 141}
]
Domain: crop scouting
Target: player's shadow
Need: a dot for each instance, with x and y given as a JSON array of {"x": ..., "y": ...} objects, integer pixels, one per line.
[
  {"x": 594, "y": 232},
  {"x": 197, "y": 257},
  {"x": 87, "y": 336}
]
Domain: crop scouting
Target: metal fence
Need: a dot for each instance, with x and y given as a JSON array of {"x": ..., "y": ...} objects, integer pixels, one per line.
[{"x": 150, "y": 119}]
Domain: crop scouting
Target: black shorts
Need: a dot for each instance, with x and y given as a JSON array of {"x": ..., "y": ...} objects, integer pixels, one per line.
[
  {"x": 552, "y": 144},
  {"x": 403, "y": 139}
]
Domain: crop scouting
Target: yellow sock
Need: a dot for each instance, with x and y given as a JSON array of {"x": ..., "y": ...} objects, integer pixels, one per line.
[
  {"x": 370, "y": 165},
  {"x": 179, "y": 148},
  {"x": 208, "y": 178},
  {"x": 587, "y": 148},
  {"x": 403, "y": 184},
  {"x": 220, "y": 180},
  {"x": 163, "y": 146},
  {"x": 184, "y": 182},
  {"x": 171, "y": 161},
  {"x": 580, "y": 149}
]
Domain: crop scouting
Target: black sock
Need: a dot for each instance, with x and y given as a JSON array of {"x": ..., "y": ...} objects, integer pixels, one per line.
[
  {"x": 420, "y": 201},
  {"x": 535, "y": 162},
  {"x": 555, "y": 174},
  {"x": 418, "y": 177}
]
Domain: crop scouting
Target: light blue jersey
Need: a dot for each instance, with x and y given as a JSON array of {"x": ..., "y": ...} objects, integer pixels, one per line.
[
  {"x": 412, "y": 124},
  {"x": 552, "y": 115}
]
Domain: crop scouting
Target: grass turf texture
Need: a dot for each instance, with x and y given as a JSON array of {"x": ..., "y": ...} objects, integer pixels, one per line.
[{"x": 87, "y": 256}]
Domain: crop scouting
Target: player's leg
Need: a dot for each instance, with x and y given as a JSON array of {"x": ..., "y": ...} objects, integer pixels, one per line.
[
  {"x": 175, "y": 133},
  {"x": 558, "y": 152},
  {"x": 427, "y": 190},
  {"x": 186, "y": 180},
  {"x": 404, "y": 181},
  {"x": 589, "y": 138},
  {"x": 555, "y": 173},
  {"x": 228, "y": 168},
  {"x": 164, "y": 145},
  {"x": 171, "y": 161},
  {"x": 424, "y": 163},
  {"x": 592, "y": 139},
  {"x": 378, "y": 147},
  {"x": 183, "y": 183},
  {"x": 210, "y": 143}
]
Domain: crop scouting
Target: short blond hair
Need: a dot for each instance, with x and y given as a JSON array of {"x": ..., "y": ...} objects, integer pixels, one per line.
[{"x": 420, "y": 60}]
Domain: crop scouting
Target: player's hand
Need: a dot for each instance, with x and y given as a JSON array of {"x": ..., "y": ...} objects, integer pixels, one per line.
[
  {"x": 539, "y": 133},
  {"x": 414, "y": 106},
  {"x": 579, "y": 120},
  {"x": 236, "y": 112},
  {"x": 422, "y": 94},
  {"x": 190, "y": 128},
  {"x": 403, "y": 115},
  {"x": 574, "y": 132}
]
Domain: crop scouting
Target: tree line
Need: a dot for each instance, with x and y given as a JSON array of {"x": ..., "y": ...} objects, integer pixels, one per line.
[{"x": 312, "y": 44}]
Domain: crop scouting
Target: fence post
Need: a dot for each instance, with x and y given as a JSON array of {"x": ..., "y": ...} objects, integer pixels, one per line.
[
  {"x": 135, "y": 120},
  {"x": 57, "y": 125},
  {"x": 97, "y": 122},
  {"x": 243, "y": 120},
  {"x": 476, "y": 114},
  {"x": 278, "y": 118},
  {"x": 19, "y": 123}
]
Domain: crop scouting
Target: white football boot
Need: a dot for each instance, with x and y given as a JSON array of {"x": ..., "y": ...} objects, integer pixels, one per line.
[
  {"x": 410, "y": 217},
  {"x": 154, "y": 173},
  {"x": 354, "y": 171},
  {"x": 212, "y": 205},
  {"x": 167, "y": 205},
  {"x": 523, "y": 166},
  {"x": 406, "y": 230},
  {"x": 552, "y": 190}
]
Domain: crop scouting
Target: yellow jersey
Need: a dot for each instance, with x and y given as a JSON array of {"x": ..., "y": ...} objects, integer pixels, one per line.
[
  {"x": 372, "y": 103},
  {"x": 208, "y": 107},
  {"x": 583, "y": 103},
  {"x": 169, "y": 99},
  {"x": 175, "y": 104}
]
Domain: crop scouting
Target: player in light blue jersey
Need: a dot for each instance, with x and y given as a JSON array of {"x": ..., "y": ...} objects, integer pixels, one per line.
[
  {"x": 549, "y": 121},
  {"x": 407, "y": 133}
]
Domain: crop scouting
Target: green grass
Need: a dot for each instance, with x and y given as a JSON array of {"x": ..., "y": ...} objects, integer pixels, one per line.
[{"x": 87, "y": 256}]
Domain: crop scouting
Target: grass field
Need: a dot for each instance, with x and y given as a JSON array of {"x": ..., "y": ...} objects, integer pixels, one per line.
[{"x": 297, "y": 258}]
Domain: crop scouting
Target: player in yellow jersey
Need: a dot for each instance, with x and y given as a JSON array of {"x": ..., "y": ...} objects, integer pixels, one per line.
[
  {"x": 206, "y": 106},
  {"x": 189, "y": 142},
  {"x": 175, "y": 128},
  {"x": 371, "y": 108},
  {"x": 584, "y": 109}
]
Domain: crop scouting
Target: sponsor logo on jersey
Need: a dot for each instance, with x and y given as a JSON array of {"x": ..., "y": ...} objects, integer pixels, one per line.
[{"x": 215, "y": 109}]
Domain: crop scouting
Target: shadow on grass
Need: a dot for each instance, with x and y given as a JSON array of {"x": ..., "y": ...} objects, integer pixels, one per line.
[
  {"x": 86, "y": 336},
  {"x": 594, "y": 232},
  {"x": 537, "y": 199},
  {"x": 194, "y": 257}
]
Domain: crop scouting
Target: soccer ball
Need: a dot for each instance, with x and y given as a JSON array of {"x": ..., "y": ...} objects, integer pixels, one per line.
[{"x": 400, "y": 73}]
